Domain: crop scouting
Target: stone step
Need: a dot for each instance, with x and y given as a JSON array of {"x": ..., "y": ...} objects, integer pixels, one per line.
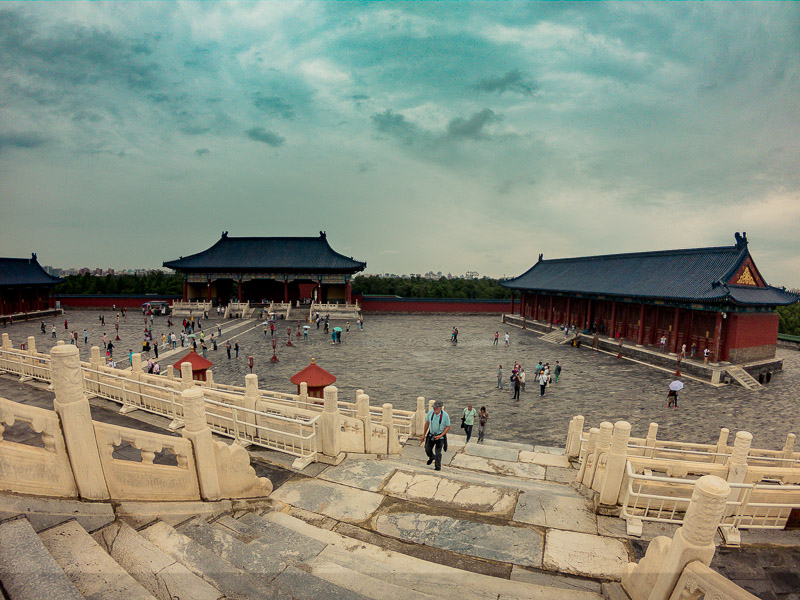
[
  {"x": 159, "y": 573},
  {"x": 91, "y": 569},
  {"x": 27, "y": 569},
  {"x": 230, "y": 580},
  {"x": 744, "y": 378},
  {"x": 363, "y": 583},
  {"x": 416, "y": 574}
]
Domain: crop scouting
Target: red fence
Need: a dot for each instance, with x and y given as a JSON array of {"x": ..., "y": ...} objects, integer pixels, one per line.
[
  {"x": 391, "y": 304},
  {"x": 107, "y": 301}
]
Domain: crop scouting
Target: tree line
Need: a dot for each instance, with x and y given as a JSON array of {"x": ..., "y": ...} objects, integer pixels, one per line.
[
  {"x": 417, "y": 287},
  {"x": 154, "y": 282},
  {"x": 789, "y": 319}
]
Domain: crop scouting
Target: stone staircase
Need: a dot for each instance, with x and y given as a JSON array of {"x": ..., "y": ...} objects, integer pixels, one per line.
[
  {"x": 555, "y": 337},
  {"x": 744, "y": 378},
  {"x": 243, "y": 555}
]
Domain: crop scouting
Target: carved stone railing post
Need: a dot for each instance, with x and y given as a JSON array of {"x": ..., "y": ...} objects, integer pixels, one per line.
[
  {"x": 303, "y": 392},
  {"x": 737, "y": 473},
  {"x": 251, "y": 396},
  {"x": 31, "y": 345},
  {"x": 430, "y": 408},
  {"x": 650, "y": 440},
  {"x": 132, "y": 390},
  {"x": 363, "y": 415},
  {"x": 187, "y": 379},
  {"x": 586, "y": 452},
  {"x": 655, "y": 576},
  {"x": 788, "y": 447},
  {"x": 573, "y": 445},
  {"x": 387, "y": 420},
  {"x": 210, "y": 379},
  {"x": 722, "y": 446},
  {"x": 330, "y": 423},
  {"x": 418, "y": 420},
  {"x": 198, "y": 432},
  {"x": 170, "y": 373},
  {"x": 603, "y": 444},
  {"x": 72, "y": 408},
  {"x": 617, "y": 459},
  {"x": 6, "y": 344}
]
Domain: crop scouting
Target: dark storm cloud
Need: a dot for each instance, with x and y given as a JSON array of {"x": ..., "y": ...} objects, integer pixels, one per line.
[
  {"x": 21, "y": 140},
  {"x": 273, "y": 105},
  {"x": 75, "y": 54},
  {"x": 513, "y": 81},
  {"x": 270, "y": 138},
  {"x": 396, "y": 125},
  {"x": 472, "y": 127},
  {"x": 201, "y": 152}
]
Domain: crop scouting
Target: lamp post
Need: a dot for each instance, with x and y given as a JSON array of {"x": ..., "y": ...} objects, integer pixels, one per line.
[
  {"x": 289, "y": 333},
  {"x": 274, "y": 356}
]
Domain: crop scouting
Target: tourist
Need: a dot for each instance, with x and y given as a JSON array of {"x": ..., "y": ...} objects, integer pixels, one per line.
[
  {"x": 156, "y": 369},
  {"x": 44, "y": 329},
  {"x": 105, "y": 341},
  {"x": 65, "y": 324},
  {"x": 111, "y": 363},
  {"x": 437, "y": 424},
  {"x": 130, "y": 355},
  {"x": 214, "y": 342},
  {"x": 75, "y": 335},
  {"x": 663, "y": 342},
  {"x": 683, "y": 351},
  {"x": 542, "y": 382},
  {"x": 705, "y": 356},
  {"x": 110, "y": 349},
  {"x": 149, "y": 366},
  {"x": 557, "y": 372},
  {"x": 228, "y": 348},
  {"x": 455, "y": 334},
  {"x": 500, "y": 377},
  {"x": 496, "y": 338},
  {"x": 468, "y": 420},
  {"x": 483, "y": 417},
  {"x": 522, "y": 378},
  {"x": 507, "y": 339},
  {"x": 219, "y": 329},
  {"x": 203, "y": 348},
  {"x": 54, "y": 331},
  {"x": 515, "y": 380},
  {"x": 693, "y": 350},
  {"x": 155, "y": 349},
  {"x": 347, "y": 325},
  {"x": 236, "y": 348}
]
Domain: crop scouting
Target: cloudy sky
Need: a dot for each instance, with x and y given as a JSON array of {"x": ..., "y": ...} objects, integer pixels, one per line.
[{"x": 445, "y": 136}]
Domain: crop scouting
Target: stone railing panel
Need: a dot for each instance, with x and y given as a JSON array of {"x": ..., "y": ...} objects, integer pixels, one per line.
[
  {"x": 27, "y": 469},
  {"x": 700, "y": 581},
  {"x": 129, "y": 480},
  {"x": 237, "y": 479}
]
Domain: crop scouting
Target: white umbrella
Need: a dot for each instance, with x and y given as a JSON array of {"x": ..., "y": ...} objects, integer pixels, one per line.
[{"x": 676, "y": 385}]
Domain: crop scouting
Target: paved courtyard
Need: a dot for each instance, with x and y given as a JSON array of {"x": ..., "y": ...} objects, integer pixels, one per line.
[{"x": 397, "y": 358}]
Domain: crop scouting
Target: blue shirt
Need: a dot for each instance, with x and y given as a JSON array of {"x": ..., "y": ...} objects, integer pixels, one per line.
[{"x": 437, "y": 424}]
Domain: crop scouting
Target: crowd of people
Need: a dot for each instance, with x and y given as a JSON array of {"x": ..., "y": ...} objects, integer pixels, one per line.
[{"x": 542, "y": 374}]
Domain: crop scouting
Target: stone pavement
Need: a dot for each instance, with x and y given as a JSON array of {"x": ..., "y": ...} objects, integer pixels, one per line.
[{"x": 399, "y": 357}]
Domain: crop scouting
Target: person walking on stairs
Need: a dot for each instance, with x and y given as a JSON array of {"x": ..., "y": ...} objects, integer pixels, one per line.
[
  {"x": 482, "y": 419},
  {"x": 437, "y": 424},
  {"x": 468, "y": 420}
]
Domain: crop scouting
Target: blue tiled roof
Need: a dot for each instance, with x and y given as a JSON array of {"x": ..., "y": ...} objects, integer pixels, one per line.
[
  {"x": 691, "y": 275},
  {"x": 273, "y": 254},
  {"x": 24, "y": 271}
]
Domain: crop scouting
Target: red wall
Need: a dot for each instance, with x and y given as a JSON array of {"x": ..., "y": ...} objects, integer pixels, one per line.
[
  {"x": 107, "y": 301},
  {"x": 748, "y": 330},
  {"x": 433, "y": 305}
]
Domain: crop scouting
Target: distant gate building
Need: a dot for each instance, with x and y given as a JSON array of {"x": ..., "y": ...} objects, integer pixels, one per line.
[
  {"x": 25, "y": 287},
  {"x": 713, "y": 298},
  {"x": 278, "y": 269}
]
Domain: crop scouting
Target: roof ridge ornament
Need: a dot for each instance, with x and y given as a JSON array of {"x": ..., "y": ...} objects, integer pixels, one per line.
[
  {"x": 33, "y": 256},
  {"x": 541, "y": 257},
  {"x": 741, "y": 240},
  {"x": 322, "y": 235},
  {"x": 225, "y": 235}
]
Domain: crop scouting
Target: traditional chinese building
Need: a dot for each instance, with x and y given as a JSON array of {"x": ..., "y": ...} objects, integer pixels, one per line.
[
  {"x": 316, "y": 379},
  {"x": 25, "y": 287},
  {"x": 713, "y": 298},
  {"x": 278, "y": 269}
]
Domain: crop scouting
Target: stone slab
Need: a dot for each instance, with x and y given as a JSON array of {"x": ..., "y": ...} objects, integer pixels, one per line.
[
  {"x": 545, "y": 579},
  {"x": 498, "y": 467},
  {"x": 305, "y": 586},
  {"x": 496, "y": 452},
  {"x": 369, "y": 475},
  {"x": 91, "y": 569},
  {"x": 361, "y": 582},
  {"x": 611, "y": 526},
  {"x": 560, "y": 475},
  {"x": 43, "y": 513},
  {"x": 584, "y": 554},
  {"x": 142, "y": 513},
  {"x": 231, "y": 581},
  {"x": 27, "y": 570},
  {"x": 502, "y": 543},
  {"x": 557, "y": 509},
  {"x": 336, "y": 501},
  {"x": 544, "y": 459},
  {"x": 425, "y": 488},
  {"x": 549, "y": 450},
  {"x": 286, "y": 543}
]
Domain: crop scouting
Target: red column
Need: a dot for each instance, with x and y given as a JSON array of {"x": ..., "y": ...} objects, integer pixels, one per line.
[
  {"x": 676, "y": 321},
  {"x": 348, "y": 291},
  {"x": 184, "y": 290},
  {"x": 691, "y": 329},
  {"x": 319, "y": 291},
  {"x": 654, "y": 328},
  {"x": 613, "y": 328},
  {"x": 567, "y": 320},
  {"x": 208, "y": 285},
  {"x": 717, "y": 337},
  {"x": 536, "y": 307},
  {"x": 588, "y": 322},
  {"x": 19, "y": 296},
  {"x": 550, "y": 312},
  {"x": 241, "y": 284},
  {"x": 512, "y": 302},
  {"x": 640, "y": 333},
  {"x": 285, "y": 290}
]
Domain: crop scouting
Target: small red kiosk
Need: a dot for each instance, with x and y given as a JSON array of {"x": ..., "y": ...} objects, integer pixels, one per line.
[
  {"x": 315, "y": 377},
  {"x": 199, "y": 365}
]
